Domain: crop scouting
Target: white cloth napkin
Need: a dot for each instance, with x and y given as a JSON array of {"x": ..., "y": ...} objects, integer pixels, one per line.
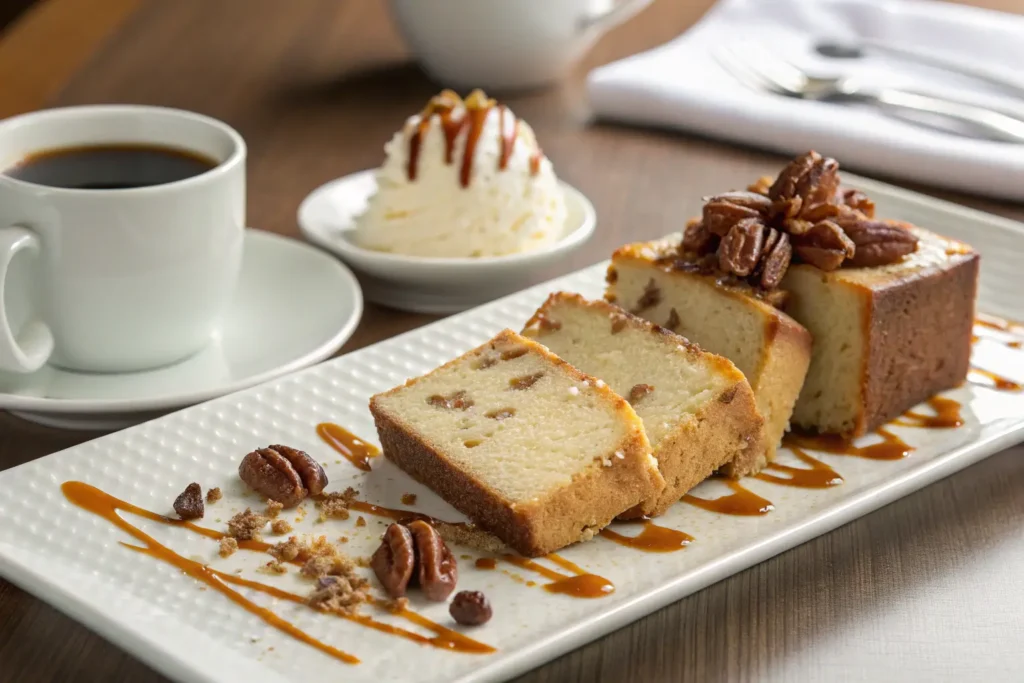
[{"x": 681, "y": 85}]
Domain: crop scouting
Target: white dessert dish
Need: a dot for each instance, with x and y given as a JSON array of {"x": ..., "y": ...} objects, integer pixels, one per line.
[
  {"x": 422, "y": 284},
  {"x": 268, "y": 330},
  {"x": 72, "y": 558}
]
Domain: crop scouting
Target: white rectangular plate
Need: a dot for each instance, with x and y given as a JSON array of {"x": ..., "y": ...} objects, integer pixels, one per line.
[{"x": 73, "y": 559}]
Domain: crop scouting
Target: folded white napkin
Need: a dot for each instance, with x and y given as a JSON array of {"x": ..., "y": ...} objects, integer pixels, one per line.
[{"x": 681, "y": 85}]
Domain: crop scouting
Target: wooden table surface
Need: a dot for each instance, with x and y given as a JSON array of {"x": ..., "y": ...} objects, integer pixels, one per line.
[{"x": 914, "y": 590}]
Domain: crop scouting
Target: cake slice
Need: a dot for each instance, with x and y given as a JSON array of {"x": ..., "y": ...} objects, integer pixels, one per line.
[
  {"x": 770, "y": 348},
  {"x": 528, "y": 447},
  {"x": 885, "y": 337},
  {"x": 698, "y": 410}
]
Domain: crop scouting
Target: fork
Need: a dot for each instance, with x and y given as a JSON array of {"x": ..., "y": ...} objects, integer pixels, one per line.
[{"x": 760, "y": 70}]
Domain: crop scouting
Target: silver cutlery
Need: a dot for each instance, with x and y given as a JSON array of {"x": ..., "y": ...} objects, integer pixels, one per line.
[
  {"x": 761, "y": 70},
  {"x": 841, "y": 49}
]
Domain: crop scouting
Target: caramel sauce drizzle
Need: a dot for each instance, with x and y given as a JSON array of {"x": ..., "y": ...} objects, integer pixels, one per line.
[
  {"x": 651, "y": 539},
  {"x": 472, "y": 121},
  {"x": 891, "y": 447},
  {"x": 994, "y": 381},
  {"x": 947, "y": 415},
  {"x": 818, "y": 476},
  {"x": 741, "y": 502},
  {"x": 107, "y": 507},
  {"x": 578, "y": 584},
  {"x": 351, "y": 447},
  {"x": 486, "y": 563},
  {"x": 1001, "y": 324}
]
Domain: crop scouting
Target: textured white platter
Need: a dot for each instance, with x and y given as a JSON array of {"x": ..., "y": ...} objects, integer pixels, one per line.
[{"x": 73, "y": 559}]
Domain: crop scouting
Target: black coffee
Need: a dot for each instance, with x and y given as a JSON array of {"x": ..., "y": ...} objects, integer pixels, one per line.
[{"x": 110, "y": 167}]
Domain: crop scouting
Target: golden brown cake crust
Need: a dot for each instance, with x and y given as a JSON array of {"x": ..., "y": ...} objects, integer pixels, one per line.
[{"x": 572, "y": 513}]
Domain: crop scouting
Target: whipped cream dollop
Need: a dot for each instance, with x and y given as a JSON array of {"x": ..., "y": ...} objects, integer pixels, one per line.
[{"x": 463, "y": 179}]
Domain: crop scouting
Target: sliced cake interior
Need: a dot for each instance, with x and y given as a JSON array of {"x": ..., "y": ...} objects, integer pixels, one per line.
[
  {"x": 698, "y": 410},
  {"x": 527, "y": 446},
  {"x": 771, "y": 349}
]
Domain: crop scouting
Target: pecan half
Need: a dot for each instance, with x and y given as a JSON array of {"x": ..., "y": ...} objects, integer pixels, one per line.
[
  {"x": 393, "y": 562},
  {"x": 284, "y": 474},
  {"x": 775, "y": 261},
  {"x": 698, "y": 239},
  {"x": 436, "y": 566},
  {"x": 878, "y": 243},
  {"x": 741, "y": 248},
  {"x": 805, "y": 185},
  {"x": 825, "y": 246},
  {"x": 723, "y": 211}
]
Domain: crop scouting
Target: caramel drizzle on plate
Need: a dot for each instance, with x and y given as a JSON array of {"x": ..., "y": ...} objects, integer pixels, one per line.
[
  {"x": 817, "y": 476},
  {"x": 107, "y": 507},
  {"x": 651, "y": 539},
  {"x": 741, "y": 502},
  {"x": 992, "y": 380},
  {"x": 352, "y": 448}
]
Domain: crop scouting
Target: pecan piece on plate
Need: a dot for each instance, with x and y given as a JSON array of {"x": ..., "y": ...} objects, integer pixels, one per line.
[
  {"x": 878, "y": 243},
  {"x": 741, "y": 249},
  {"x": 825, "y": 246},
  {"x": 470, "y": 608},
  {"x": 393, "y": 562},
  {"x": 189, "y": 503},
  {"x": 437, "y": 570},
  {"x": 284, "y": 474}
]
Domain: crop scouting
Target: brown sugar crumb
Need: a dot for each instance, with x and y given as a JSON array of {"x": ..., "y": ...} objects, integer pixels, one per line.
[
  {"x": 301, "y": 514},
  {"x": 470, "y": 536},
  {"x": 280, "y": 526},
  {"x": 339, "y": 593},
  {"x": 325, "y": 559},
  {"x": 408, "y": 499},
  {"x": 228, "y": 546},
  {"x": 213, "y": 495},
  {"x": 246, "y": 525},
  {"x": 287, "y": 551},
  {"x": 273, "y": 567},
  {"x": 360, "y": 521},
  {"x": 343, "y": 539},
  {"x": 273, "y": 509},
  {"x": 395, "y": 606},
  {"x": 335, "y": 505},
  {"x": 362, "y": 561}
]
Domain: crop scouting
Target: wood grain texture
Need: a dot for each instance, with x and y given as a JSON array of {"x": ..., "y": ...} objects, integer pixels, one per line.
[{"x": 316, "y": 87}]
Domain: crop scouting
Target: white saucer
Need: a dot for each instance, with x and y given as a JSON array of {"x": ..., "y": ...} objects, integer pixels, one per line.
[
  {"x": 427, "y": 284},
  {"x": 294, "y": 307}
]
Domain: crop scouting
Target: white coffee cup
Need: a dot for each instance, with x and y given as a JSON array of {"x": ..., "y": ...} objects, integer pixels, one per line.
[
  {"x": 117, "y": 280},
  {"x": 505, "y": 44}
]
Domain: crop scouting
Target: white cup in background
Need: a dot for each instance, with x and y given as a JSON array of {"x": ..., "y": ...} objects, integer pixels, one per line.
[
  {"x": 117, "y": 280},
  {"x": 505, "y": 44}
]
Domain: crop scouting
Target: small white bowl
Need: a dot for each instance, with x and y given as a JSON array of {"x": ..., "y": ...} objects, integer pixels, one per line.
[{"x": 428, "y": 284}]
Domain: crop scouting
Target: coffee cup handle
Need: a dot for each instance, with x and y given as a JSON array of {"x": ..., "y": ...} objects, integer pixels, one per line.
[
  {"x": 34, "y": 343},
  {"x": 619, "y": 12}
]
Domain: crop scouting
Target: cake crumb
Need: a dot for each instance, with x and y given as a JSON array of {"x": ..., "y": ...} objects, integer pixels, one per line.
[
  {"x": 246, "y": 525},
  {"x": 273, "y": 567},
  {"x": 470, "y": 536},
  {"x": 228, "y": 546},
  {"x": 360, "y": 521},
  {"x": 335, "y": 505},
  {"x": 287, "y": 551},
  {"x": 273, "y": 509},
  {"x": 213, "y": 495},
  {"x": 408, "y": 499},
  {"x": 280, "y": 526}
]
